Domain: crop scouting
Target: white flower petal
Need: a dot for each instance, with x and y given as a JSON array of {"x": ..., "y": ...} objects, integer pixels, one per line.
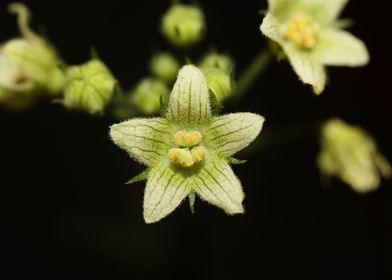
[
  {"x": 165, "y": 191},
  {"x": 281, "y": 9},
  {"x": 340, "y": 48},
  {"x": 231, "y": 133},
  {"x": 270, "y": 28},
  {"x": 146, "y": 140},
  {"x": 217, "y": 184},
  {"x": 308, "y": 69},
  {"x": 325, "y": 10},
  {"x": 189, "y": 100}
]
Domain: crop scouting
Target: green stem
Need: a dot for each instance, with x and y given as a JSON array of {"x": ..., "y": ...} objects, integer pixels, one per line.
[{"x": 252, "y": 72}]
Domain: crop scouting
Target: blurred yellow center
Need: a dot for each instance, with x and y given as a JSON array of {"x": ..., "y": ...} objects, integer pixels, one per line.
[
  {"x": 303, "y": 30},
  {"x": 189, "y": 151}
]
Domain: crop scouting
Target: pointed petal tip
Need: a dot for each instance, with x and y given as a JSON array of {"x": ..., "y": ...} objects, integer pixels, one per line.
[
  {"x": 189, "y": 70},
  {"x": 317, "y": 90},
  {"x": 149, "y": 220},
  {"x": 235, "y": 210},
  {"x": 189, "y": 100},
  {"x": 259, "y": 119},
  {"x": 113, "y": 133}
]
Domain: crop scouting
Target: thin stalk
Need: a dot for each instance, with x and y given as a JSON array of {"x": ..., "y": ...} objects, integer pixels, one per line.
[{"x": 252, "y": 72}]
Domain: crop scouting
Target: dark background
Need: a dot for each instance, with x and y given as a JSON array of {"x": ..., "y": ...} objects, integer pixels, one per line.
[{"x": 67, "y": 212}]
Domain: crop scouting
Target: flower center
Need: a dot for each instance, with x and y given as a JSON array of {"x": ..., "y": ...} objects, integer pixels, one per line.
[
  {"x": 303, "y": 30},
  {"x": 188, "y": 150}
]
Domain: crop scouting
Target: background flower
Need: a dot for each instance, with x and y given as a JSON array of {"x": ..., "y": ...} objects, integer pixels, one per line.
[{"x": 308, "y": 32}]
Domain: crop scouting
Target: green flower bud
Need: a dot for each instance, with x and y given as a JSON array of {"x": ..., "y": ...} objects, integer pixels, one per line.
[
  {"x": 219, "y": 83},
  {"x": 146, "y": 96},
  {"x": 184, "y": 25},
  {"x": 350, "y": 153},
  {"x": 34, "y": 57},
  {"x": 16, "y": 91},
  {"x": 28, "y": 66},
  {"x": 165, "y": 67},
  {"x": 221, "y": 62},
  {"x": 90, "y": 87}
]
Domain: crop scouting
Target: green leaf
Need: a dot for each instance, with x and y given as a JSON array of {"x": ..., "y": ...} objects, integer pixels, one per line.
[{"x": 140, "y": 177}]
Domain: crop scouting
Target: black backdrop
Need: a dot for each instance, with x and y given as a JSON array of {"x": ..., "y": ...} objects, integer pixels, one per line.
[{"x": 67, "y": 212}]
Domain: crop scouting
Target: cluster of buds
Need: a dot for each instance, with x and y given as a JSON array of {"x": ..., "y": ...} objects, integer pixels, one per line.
[{"x": 184, "y": 26}]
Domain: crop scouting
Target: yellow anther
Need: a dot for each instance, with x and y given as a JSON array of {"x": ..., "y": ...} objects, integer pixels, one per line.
[
  {"x": 173, "y": 154},
  {"x": 186, "y": 157},
  {"x": 303, "y": 30},
  {"x": 181, "y": 156},
  {"x": 198, "y": 153},
  {"x": 196, "y": 137},
  {"x": 187, "y": 139}
]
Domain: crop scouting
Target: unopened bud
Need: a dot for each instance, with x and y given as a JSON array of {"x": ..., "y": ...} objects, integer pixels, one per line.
[
  {"x": 219, "y": 83},
  {"x": 165, "y": 67},
  {"x": 90, "y": 87},
  {"x": 184, "y": 25},
  {"x": 35, "y": 58},
  {"x": 218, "y": 61},
  {"x": 146, "y": 96}
]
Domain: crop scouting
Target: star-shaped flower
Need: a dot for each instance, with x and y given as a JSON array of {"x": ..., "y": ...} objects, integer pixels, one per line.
[
  {"x": 309, "y": 34},
  {"x": 188, "y": 152}
]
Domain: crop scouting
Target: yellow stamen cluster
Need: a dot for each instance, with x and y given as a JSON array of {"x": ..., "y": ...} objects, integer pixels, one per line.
[
  {"x": 189, "y": 152},
  {"x": 187, "y": 139},
  {"x": 303, "y": 30}
]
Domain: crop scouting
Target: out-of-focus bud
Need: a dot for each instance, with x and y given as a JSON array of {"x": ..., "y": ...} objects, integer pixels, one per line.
[
  {"x": 221, "y": 62},
  {"x": 165, "y": 67},
  {"x": 350, "y": 153},
  {"x": 184, "y": 25},
  {"x": 16, "y": 90},
  {"x": 29, "y": 66},
  {"x": 146, "y": 96},
  {"x": 38, "y": 62},
  {"x": 219, "y": 83},
  {"x": 35, "y": 57},
  {"x": 90, "y": 87}
]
